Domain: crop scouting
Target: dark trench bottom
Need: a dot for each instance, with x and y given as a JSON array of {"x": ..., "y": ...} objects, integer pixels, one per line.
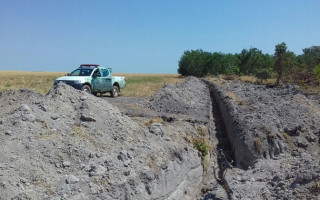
[
  {"x": 224, "y": 148},
  {"x": 224, "y": 152}
]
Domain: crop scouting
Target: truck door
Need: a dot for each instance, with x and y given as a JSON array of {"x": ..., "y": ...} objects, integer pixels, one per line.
[
  {"x": 96, "y": 81},
  {"x": 106, "y": 80}
]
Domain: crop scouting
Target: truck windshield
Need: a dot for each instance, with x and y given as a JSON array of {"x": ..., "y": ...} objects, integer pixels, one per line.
[{"x": 81, "y": 72}]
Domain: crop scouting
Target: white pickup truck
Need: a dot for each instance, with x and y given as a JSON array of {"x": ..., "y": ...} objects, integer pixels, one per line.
[{"x": 94, "y": 79}]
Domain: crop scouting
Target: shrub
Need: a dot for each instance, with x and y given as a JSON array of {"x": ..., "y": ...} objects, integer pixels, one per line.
[
  {"x": 264, "y": 74},
  {"x": 316, "y": 71},
  {"x": 202, "y": 147},
  {"x": 234, "y": 70},
  {"x": 8, "y": 84}
]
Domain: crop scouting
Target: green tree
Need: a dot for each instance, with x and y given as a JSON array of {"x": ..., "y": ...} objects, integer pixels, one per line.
[
  {"x": 216, "y": 67},
  {"x": 253, "y": 60},
  {"x": 230, "y": 64},
  {"x": 311, "y": 56},
  {"x": 195, "y": 63},
  {"x": 284, "y": 60},
  {"x": 200, "y": 63},
  {"x": 316, "y": 71}
]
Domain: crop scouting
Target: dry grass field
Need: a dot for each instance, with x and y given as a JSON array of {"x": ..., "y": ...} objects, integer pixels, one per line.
[
  {"x": 138, "y": 85},
  {"x": 144, "y": 85},
  {"x": 38, "y": 81}
]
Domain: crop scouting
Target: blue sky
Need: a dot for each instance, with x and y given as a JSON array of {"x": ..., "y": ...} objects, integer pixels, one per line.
[{"x": 146, "y": 36}]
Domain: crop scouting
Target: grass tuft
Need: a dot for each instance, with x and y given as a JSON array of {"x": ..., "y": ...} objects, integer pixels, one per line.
[
  {"x": 154, "y": 120},
  {"x": 314, "y": 188},
  {"x": 289, "y": 141},
  {"x": 202, "y": 146},
  {"x": 253, "y": 79},
  {"x": 45, "y": 124},
  {"x": 203, "y": 130},
  {"x": 258, "y": 145}
]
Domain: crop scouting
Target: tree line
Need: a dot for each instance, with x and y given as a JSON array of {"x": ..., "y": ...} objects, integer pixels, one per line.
[{"x": 284, "y": 65}]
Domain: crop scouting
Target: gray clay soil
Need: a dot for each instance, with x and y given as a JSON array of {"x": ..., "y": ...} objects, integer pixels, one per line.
[{"x": 264, "y": 143}]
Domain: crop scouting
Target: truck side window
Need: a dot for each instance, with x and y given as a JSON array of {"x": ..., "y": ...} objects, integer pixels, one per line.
[
  {"x": 97, "y": 73},
  {"x": 105, "y": 73}
]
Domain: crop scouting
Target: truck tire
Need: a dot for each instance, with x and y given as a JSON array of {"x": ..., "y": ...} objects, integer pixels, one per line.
[
  {"x": 86, "y": 88},
  {"x": 115, "y": 91}
]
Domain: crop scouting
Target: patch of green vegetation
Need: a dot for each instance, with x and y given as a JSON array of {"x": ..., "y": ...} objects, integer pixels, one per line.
[
  {"x": 316, "y": 71},
  {"x": 8, "y": 85},
  {"x": 264, "y": 74},
  {"x": 202, "y": 147}
]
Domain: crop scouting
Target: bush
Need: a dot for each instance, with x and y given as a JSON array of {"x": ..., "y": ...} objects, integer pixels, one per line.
[
  {"x": 264, "y": 74},
  {"x": 304, "y": 77},
  {"x": 316, "y": 72},
  {"x": 234, "y": 70},
  {"x": 202, "y": 147}
]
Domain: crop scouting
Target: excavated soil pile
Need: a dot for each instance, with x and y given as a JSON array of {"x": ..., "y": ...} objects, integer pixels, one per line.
[
  {"x": 275, "y": 133},
  {"x": 190, "y": 98},
  {"x": 12, "y": 99},
  {"x": 71, "y": 145}
]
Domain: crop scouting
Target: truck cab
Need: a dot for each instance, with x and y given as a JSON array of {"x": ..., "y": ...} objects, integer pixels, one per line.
[{"x": 94, "y": 79}]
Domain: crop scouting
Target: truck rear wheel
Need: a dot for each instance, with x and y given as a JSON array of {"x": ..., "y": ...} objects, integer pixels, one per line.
[
  {"x": 115, "y": 91},
  {"x": 86, "y": 88}
]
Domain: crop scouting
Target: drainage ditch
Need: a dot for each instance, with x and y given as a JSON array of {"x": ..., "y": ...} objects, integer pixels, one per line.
[
  {"x": 231, "y": 148},
  {"x": 232, "y": 138},
  {"x": 225, "y": 153}
]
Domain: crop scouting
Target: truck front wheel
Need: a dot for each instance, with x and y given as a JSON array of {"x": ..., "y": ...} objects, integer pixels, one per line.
[
  {"x": 86, "y": 88},
  {"x": 115, "y": 91}
]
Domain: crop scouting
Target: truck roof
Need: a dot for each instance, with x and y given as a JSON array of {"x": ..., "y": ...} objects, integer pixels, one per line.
[
  {"x": 89, "y": 65},
  {"x": 94, "y": 66}
]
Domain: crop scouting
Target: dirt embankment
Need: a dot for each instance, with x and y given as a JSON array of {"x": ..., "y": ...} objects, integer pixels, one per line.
[
  {"x": 263, "y": 143},
  {"x": 71, "y": 145},
  {"x": 275, "y": 136}
]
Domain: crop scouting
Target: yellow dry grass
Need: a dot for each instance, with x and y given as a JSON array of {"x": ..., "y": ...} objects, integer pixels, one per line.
[
  {"x": 38, "y": 81},
  {"x": 154, "y": 120},
  {"x": 144, "y": 85},
  {"x": 138, "y": 85},
  {"x": 252, "y": 79}
]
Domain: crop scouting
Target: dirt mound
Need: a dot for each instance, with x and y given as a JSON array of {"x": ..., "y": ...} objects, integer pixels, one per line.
[
  {"x": 71, "y": 145},
  {"x": 12, "y": 99},
  {"x": 281, "y": 118},
  {"x": 279, "y": 124},
  {"x": 189, "y": 98}
]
